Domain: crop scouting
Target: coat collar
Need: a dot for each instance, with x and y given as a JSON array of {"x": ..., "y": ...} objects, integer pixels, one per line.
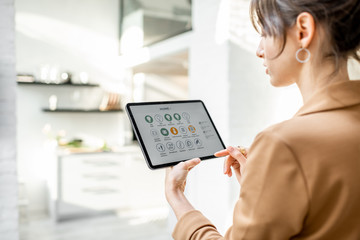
[{"x": 337, "y": 95}]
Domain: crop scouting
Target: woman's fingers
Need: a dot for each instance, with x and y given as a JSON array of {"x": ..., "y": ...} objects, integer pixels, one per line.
[
  {"x": 221, "y": 153},
  {"x": 227, "y": 164},
  {"x": 175, "y": 178},
  {"x": 225, "y": 152},
  {"x": 236, "y": 153},
  {"x": 190, "y": 164},
  {"x": 187, "y": 165},
  {"x": 234, "y": 160}
]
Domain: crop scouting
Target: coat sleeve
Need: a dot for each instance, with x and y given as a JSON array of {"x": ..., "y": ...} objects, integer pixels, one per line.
[{"x": 273, "y": 199}]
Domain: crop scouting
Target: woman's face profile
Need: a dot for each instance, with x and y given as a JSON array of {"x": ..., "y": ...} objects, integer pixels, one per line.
[{"x": 281, "y": 66}]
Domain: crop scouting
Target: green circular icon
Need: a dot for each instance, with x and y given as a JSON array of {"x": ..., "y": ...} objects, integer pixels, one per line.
[
  {"x": 168, "y": 117},
  {"x": 149, "y": 119},
  {"x": 164, "y": 132},
  {"x": 177, "y": 116}
]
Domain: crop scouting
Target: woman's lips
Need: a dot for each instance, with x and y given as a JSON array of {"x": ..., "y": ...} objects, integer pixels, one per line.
[{"x": 266, "y": 69}]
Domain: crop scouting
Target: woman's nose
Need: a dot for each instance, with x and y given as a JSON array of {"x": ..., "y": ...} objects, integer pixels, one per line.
[
  {"x": 260, "y": 49},
  {"x": 260, "y": 52}
]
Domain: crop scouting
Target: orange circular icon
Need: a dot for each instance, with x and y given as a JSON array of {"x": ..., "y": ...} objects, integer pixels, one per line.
[
  {"x": 174, "y": 131},
  {"x": 191, "y": 128}
]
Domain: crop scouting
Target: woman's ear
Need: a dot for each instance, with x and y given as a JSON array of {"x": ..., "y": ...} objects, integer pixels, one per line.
[{"x": 305, "y": 28}]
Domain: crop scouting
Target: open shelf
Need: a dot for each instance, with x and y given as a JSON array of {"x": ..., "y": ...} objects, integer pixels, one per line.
[
  {"x": 74, "y": 110},
  {"x": 58, "y": 84}
]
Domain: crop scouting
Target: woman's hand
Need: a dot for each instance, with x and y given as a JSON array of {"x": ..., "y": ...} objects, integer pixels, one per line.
[
  {"x": 175, "y": 179},
  {"x": 236, "y": 159},
  {"x": 175, "y": 182}
]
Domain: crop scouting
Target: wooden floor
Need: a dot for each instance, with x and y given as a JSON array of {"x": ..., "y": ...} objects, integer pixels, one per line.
[{"x": 107, "y": 227}]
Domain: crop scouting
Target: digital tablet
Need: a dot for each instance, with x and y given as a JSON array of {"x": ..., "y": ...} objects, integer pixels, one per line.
[{"x": 174, "y": 131}]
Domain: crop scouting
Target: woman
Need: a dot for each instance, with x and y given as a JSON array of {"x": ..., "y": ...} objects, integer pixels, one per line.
[{"x": 300, "y": 178}]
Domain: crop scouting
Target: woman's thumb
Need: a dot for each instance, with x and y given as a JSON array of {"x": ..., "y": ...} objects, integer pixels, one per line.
[{"x": 192, "y": 163}]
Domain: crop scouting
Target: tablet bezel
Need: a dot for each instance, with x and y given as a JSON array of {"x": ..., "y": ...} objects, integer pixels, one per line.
[{"x": 141, "y": 142}]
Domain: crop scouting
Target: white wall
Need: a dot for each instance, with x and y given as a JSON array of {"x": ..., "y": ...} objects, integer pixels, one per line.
[
  {"x": 8, "y": 174},
  {"x": 165, "y": 88},
  {"x": 226, "y": 74},
  {"x": 354, "y": 69},
  {"x": 207, "y": 189},
  {"x": 74, "y": 36}
]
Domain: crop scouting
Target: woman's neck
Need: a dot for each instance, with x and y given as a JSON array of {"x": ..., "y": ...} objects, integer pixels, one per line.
[{"x": 313, "y": 78}]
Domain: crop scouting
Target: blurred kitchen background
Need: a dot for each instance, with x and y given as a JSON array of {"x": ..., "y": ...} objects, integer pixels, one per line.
[{"x": 79, "y": 172}]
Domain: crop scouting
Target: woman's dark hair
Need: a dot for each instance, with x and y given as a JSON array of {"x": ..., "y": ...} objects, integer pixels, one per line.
[{"x": 340, "y": 18}]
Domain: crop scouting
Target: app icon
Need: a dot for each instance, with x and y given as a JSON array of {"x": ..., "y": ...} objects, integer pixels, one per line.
[
  {"x": 164, "y": 132},
  {"x": 180, "y": 144},
  {"x": 192, "y": 128},
  {"x": 149, "y": 119},
  {"x": 159, "y": 118},
  {"x": 168, "y": 117},
  {"x": 174, "y": 131},
  {"x": 186, "y": 115},
  {"x": 189, "y": 143},
  {"x": 160, "y": 147},
  {"x": 177, "y": 116},
  {"x": 198, "y": 142},
  {"x": 154, "y": 132},
  {"x": 170, "y": 146},
  {"x": 183, "y": 130}
]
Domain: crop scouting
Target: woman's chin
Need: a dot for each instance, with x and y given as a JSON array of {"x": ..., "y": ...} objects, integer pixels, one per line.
[{"x": 279, "y": 83}]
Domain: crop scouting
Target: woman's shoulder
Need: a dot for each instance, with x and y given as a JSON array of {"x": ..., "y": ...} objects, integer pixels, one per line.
[
  {"x": 314, "y": 134},
  {"x": 297, "y": 131},
  {"x": 289, "y": 129}
]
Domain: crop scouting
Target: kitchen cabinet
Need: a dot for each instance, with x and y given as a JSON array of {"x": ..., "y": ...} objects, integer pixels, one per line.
[{"x": 101, "y": 182}]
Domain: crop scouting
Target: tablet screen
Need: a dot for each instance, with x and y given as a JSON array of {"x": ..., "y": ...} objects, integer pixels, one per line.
[{"x": 170, "y": 132}]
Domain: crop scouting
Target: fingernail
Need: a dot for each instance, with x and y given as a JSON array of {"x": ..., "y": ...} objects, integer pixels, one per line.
[{"x": 230, "y": 148}]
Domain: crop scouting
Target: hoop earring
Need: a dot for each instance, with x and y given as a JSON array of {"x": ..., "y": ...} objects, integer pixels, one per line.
[{"x": 306, "y": 59}]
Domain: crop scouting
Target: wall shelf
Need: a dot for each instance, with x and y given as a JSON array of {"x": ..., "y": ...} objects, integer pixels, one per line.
[
  {"x": 58, "y": 84},
  {"x": 69, "y": 110},
  {"x": 74, "y": 110}
]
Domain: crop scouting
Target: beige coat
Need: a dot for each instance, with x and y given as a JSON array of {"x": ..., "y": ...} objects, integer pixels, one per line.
[{"x": 302, "y": 179}]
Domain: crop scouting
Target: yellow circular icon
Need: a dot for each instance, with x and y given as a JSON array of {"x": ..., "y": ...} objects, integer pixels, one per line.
[
  {"x": 174, "y": 131},
  {"x": 191, "y": 128}
]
